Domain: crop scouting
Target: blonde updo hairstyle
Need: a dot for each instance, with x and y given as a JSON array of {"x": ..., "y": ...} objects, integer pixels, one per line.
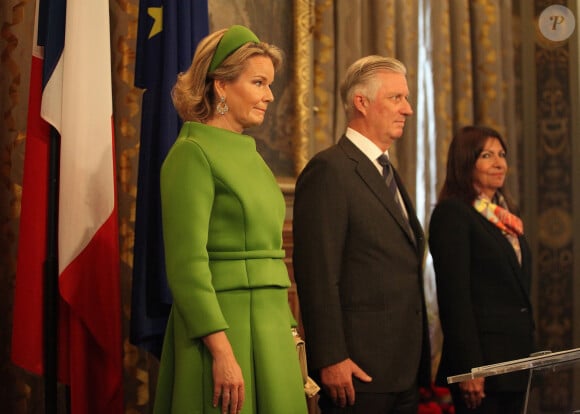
[{"x": 193, "y": 94}]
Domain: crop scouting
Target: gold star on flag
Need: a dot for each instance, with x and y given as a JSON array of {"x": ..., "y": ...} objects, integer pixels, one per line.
[{"x": 157, "y": 14}]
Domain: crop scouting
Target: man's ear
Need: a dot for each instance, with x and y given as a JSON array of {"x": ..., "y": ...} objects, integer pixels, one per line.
[{"x": 360, "y": 103}]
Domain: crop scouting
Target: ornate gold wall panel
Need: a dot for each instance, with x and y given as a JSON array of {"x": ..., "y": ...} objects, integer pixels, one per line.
[
  {"x": 303, "y": 80},
  {"x": 554, "y": 208}
]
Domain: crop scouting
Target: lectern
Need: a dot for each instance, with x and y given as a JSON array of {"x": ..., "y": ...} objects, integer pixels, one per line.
[{"x": 540, "y": 365}]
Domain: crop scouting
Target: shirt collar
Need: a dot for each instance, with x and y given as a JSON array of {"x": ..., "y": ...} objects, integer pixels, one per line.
[{"x": 364, "y": 144}]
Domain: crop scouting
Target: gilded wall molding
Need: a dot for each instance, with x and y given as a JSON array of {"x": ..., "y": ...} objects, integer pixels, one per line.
[
  {"x": 303, "y": 80},
  {"x": 555, "y": 248}
]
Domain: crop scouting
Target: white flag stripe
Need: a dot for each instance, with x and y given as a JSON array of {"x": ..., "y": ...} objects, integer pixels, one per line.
[
  {"x": 51, "y": 105},
  {"x": 86, "y": 197},
  {"x": 37, "y": 51}
]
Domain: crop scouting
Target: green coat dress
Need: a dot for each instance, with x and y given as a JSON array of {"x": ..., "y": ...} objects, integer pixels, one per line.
[{"x": 222, "y": 224}]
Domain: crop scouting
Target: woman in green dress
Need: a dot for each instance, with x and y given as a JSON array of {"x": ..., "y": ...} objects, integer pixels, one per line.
[{"x": 228, "y": 345}]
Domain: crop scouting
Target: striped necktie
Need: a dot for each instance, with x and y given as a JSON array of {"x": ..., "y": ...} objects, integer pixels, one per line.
[{"x": 389, "y": 177}]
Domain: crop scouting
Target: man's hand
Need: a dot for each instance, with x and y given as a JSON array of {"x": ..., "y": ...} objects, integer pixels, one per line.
[{"x": 337, "y": 381}]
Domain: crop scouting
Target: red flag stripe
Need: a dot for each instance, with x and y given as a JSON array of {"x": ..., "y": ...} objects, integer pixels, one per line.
[
  {"x": 27, "y": 334},
  {"x": 77, "y": 101}
]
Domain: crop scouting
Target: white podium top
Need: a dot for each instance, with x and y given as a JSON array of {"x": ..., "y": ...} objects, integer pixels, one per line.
[{"x": 538, "y": 360}]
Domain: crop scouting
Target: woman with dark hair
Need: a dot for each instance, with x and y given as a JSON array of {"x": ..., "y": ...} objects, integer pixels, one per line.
[{"x": 483, "y": 270}]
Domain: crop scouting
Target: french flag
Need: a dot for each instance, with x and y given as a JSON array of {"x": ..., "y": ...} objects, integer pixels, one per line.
[{"x": 71, "y": 94}]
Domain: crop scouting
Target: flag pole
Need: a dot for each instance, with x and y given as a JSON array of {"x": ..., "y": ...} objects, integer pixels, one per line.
[{"x": 51, "y": 293}]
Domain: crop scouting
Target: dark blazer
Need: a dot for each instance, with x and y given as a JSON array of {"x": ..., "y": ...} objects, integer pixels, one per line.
[
  {"x": 483, "y": 294},
  {"x": 358, "y": 268}
]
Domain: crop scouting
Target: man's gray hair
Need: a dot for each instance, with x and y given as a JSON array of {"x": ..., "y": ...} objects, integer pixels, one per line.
[{"x": 360, "y": 77}]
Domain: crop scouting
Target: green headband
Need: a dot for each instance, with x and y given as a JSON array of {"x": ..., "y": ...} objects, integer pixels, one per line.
[{"x": 235, "y": 37}]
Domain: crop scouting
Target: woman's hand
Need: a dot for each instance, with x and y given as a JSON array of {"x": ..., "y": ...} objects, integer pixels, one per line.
[
  {"x": 472, "y": 392},
  {"x": 228, "y": 382}
]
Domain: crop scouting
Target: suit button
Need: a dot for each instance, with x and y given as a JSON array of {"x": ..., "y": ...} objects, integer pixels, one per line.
[{"x": 523, "y": 310}]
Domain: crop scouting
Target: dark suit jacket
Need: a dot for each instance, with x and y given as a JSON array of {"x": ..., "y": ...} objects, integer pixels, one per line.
[
  {"x": 359, "y": 271},
  {"x": 483, "y": 294}
]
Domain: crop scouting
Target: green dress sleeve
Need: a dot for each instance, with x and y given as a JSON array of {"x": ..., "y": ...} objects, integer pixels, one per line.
[{"x": 187, "y": 195}]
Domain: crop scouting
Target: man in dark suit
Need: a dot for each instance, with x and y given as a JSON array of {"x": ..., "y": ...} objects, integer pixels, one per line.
[{"x": 358, "y": 255}]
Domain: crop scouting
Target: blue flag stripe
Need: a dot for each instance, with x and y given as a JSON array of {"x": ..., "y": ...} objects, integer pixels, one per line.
[{"x": 51, "y": 29}]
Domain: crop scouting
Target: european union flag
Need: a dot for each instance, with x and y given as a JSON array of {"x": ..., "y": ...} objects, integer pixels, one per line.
[{"x": 168, "y": 32}]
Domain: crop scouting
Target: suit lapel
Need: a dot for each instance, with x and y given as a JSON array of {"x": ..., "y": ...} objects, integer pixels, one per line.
[
  {"x": 374, "y": 181},
  {"x": 508, "y": 250},
  {"x": 413, "y": 220}
]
